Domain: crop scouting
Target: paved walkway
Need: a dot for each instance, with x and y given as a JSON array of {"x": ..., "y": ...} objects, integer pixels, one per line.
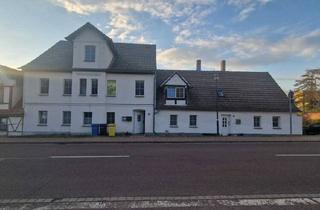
[{"x": 158, "y": 139}]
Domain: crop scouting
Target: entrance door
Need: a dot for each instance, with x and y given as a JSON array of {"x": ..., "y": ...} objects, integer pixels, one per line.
[
  {"x": 139, "y": 121},
  {"x": 225, "y": 125}
]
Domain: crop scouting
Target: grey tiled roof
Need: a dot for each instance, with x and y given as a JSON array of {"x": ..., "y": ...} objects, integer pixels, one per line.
[
  {"x": 135, "y": 56},
  {"x": 130, "y": 58},
  {"x": 56, "y": 58},
  {"x": 244, "y": 91}
]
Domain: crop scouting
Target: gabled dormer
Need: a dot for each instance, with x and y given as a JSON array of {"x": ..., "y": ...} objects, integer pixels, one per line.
[
  {"x": 175, "y": 89},
  {"x": 92, "y": 49}
]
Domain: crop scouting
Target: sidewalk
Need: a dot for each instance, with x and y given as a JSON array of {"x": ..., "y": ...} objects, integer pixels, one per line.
[{"x": 157, "y": 139}]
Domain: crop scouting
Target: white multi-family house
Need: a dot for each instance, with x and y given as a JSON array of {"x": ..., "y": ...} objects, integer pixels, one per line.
[
  {"x": 89, "y": 79},
  {"x": 11, "y": 112}
]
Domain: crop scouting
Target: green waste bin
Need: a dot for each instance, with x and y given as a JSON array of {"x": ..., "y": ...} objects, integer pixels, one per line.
[{"x": 111, "y": 129}]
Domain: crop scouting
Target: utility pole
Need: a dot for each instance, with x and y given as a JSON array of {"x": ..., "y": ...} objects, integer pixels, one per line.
[
  {"x": 216, "y": 78},
  {"x": 290, "y": 95}
]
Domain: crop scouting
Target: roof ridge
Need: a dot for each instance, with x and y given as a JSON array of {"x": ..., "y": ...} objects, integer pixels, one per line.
[
  {"x": 127, "y": 43},
  {"x": 206, "y": 71}
]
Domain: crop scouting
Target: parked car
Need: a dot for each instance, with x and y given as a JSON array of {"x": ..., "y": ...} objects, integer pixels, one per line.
[{"x": 312, "y": 129}]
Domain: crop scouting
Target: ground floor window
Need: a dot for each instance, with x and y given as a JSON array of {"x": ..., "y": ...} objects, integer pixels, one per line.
[
  {"x": 173, "y": 120},
  {"x": 66, "y": 117},
  {"x": 111, "y": 117},
  {"x": 3, "y": 124},
  {"x": 193, "y": 120},
  {"x": 87, "y": 118},
  {"x": 257, "y": 121},
  {"x": 43, "y": 117},
  {"x": 276, "y": 122}
]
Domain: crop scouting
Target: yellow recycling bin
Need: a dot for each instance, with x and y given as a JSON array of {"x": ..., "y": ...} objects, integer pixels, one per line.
[{"x": 111, "y": 129}]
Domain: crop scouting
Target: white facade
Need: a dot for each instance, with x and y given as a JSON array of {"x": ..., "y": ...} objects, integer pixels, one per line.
[
  {"x": 206, "y": 123},
  {"x": 124, "y": 104},
  {"x": 47, "y": 108}
]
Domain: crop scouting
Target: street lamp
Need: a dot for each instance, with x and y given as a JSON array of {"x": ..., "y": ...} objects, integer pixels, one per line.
[
  {"x": 290, "y": 95},
  {"x": 216, "y": 79}
]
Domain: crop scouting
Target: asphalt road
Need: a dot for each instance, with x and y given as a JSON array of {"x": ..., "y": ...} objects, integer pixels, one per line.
[{"x": 58, "y": 171}]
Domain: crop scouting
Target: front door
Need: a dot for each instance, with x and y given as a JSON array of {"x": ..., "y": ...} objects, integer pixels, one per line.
[
  {"x": 139, "y": 121},
  {"x": 225, "y": 125}
]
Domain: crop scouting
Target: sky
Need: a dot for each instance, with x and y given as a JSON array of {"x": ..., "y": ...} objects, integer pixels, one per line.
[{"x": 281, "y": 37}]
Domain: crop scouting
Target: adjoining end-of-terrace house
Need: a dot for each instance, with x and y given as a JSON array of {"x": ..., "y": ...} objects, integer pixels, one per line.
[
  {"x": 11, "y": 111},
  {"x": 89, "y": 79},
  {"x": 224, "y": 102}
]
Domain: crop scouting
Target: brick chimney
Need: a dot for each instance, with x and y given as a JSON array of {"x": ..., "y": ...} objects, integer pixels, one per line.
[
  {"x": 198, "y": 65},
  {"x": 223, "y": 65}
]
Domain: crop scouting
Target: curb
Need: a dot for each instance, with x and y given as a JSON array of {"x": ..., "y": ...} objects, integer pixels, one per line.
[{"x": 156, "y": 142}]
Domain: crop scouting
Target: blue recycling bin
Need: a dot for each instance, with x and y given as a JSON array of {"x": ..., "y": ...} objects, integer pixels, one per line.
[{"x": 95, "y": 129}]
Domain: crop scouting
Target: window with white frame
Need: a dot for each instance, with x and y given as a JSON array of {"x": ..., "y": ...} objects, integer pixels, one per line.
[
  {"x": 173, "y": 120},
  {"x": 90, "y": 53},
  {"x": 179, "y": 92},
  {"x": 94, "y": 87},
  {"x": 87, "y": 118},
  {"x": 171, "y": 92},
  {"x": 224, "y": 122},
  {"x": 67, "y": 87},
  {"x": 193, "y": 120},
  {"x": 139, "y": 87},
  {"x": 43, "y": 118},
  {"x": 66, "y": 118},
  {"x": 175, "y": 92},
  {"x": 111, "y": 88},
  {"x": 44, "y": 86},
  {"x": 276, "y": 122},
  {"x": 83, "y": 87},
  {"x": 257, "y": 121}
]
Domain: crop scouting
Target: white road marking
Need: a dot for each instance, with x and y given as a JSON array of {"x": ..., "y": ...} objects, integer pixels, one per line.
[
  {"x": 268, "y": 202},
  {"x": 90, "y": 156},
  {"x": 161, "y": 202},
  {"x": 297, "y": 155},
  {"x": 113, "y": 205},
  {"x": 316, "y": 199}
]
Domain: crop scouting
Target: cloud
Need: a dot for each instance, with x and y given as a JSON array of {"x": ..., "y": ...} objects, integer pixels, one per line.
[
  {"x": 186, "y": 14},
  {"x": 241, "y": 52},
  {"x": 193, "y": 39},
  {"x": 76, "y": 6},
  {"x": 246, "y": 7}
]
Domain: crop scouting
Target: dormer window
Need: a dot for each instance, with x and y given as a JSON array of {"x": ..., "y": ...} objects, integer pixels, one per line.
[
  {"x": 180, "y": 92},
  {"x": 175, "y": 92},
  {"x": 90, "y": 53}
]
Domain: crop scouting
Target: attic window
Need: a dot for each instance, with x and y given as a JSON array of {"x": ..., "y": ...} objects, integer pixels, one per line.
[
  {"x": 90, "y": 53},
  {"x": 175, "y": 92},
  {"x": 220, "y": 93}
]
